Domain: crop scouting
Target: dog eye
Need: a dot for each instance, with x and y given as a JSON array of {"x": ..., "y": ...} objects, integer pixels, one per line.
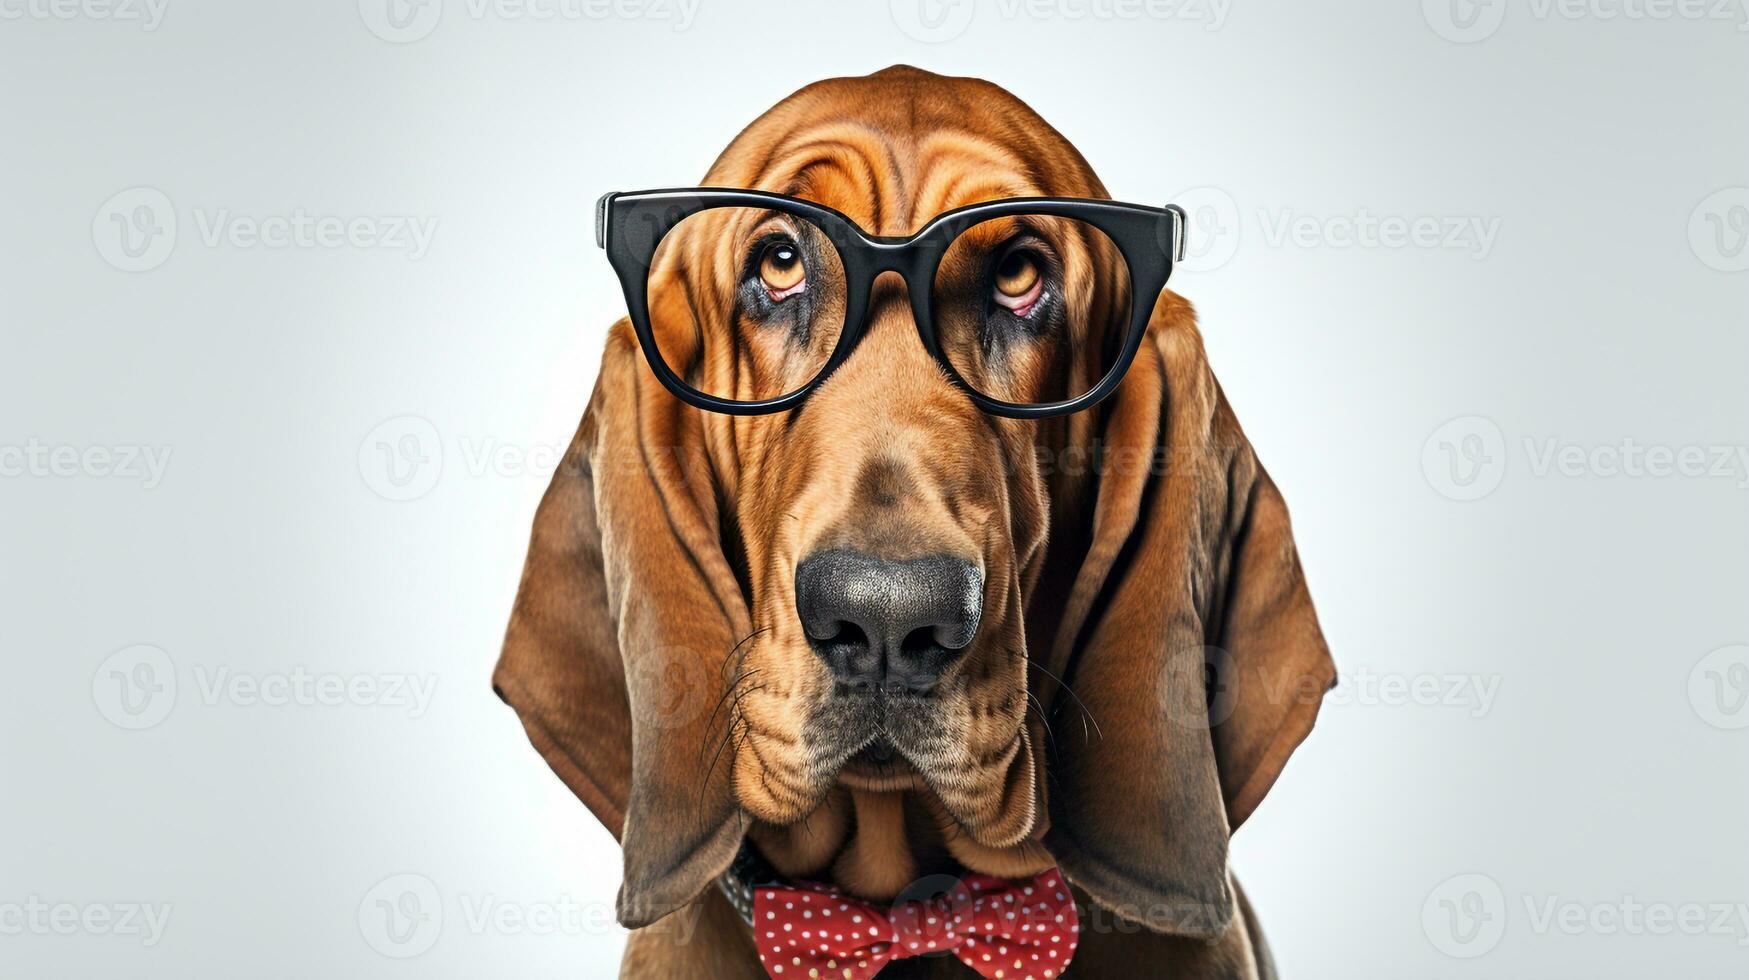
[
  {"x": 1018, "y": 282},
  {"x": 782, "y": 271}
]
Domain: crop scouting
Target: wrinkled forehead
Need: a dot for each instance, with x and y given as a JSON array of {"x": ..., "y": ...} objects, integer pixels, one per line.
[{"x": 894, "y": 149}]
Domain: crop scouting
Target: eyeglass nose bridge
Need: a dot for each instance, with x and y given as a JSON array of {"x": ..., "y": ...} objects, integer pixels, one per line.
[
  {"x": 914, "y": 258},
  {"x": 911, "y": 256}
]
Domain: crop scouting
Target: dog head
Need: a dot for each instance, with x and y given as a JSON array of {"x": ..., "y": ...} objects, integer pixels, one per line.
[
  {"x": 725, "y": 617},
  {"x": 890, "y": 533}
]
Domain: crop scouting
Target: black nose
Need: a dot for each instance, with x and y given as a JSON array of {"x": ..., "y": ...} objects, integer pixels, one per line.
[{"x": 891, "y": 624}]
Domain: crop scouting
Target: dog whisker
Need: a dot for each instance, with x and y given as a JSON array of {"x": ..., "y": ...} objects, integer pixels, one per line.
[
  {"x": 736, "y": 721},
  {"x": 738, "y": 652},
  {"x": 1038, "y": 708},
  {"x": 727, "y": 691},
  {"x": 730, "y": 689},
  {"x": 1086, "y": 713}
]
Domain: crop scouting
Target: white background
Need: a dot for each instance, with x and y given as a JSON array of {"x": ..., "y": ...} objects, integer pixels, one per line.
[{"x": 1602, "y": 317}]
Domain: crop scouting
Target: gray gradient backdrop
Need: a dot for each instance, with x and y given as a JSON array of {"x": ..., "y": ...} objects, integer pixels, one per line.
[{"x": 299, "y": 300}]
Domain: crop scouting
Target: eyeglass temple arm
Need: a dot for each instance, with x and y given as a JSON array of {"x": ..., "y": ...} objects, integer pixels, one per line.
[
  {"x": 1179, "y": 222},
  {"x": 601, "y": 204}
]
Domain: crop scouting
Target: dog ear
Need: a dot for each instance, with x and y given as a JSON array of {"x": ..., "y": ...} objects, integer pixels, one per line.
[
  {"x": 1189, "y": 643},
  {"x": 621, "y": 630}
]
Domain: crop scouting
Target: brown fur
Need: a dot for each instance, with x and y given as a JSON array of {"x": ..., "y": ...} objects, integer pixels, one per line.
[{"x": 655, "y": 652}]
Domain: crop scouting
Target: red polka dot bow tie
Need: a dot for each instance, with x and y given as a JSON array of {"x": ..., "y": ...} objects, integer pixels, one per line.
[{"x": 1000, "y": 929}]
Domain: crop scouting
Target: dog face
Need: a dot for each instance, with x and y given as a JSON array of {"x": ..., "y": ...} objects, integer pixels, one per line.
[
  {"x": 889, "y": 531},
  {"x": 887, "y": 589}
]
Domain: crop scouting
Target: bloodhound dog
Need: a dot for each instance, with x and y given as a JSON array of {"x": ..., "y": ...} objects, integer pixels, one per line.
[{"x": 1141, "y": 658}]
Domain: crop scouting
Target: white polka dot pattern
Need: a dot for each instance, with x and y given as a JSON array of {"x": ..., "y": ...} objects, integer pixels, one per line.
[{"x": 1024, "y": 931}]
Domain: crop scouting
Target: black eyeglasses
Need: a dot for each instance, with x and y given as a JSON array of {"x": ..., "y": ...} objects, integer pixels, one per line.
[{"x": 745, "y": 302}]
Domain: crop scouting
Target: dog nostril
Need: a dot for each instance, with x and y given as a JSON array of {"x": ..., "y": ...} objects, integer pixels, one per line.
[
  {"x": 848, "y": 635},
  {"x": 920, "y": 642}
]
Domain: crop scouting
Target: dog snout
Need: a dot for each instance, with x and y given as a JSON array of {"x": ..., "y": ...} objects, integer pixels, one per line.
[{"x": 891, "y": 624}]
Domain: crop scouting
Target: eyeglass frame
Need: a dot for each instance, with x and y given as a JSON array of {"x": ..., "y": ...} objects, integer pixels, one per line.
[{"x": 1135, "y": 229}]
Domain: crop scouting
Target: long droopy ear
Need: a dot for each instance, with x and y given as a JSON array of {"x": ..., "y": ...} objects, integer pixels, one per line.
[
  {"x": 621, "y": 629},
  {"x": 1189, "y": 644}
]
